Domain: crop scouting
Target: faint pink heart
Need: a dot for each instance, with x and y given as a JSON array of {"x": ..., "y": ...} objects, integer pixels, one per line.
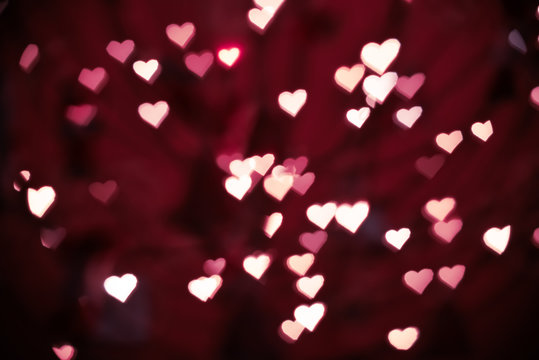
[
  {"x": 408, "y": 117},
  {"x": 51, "y": 238},
  {"x": 439, "y": 209},
  {"x": 154, "y": 114},
  {"x": 121, "y": 51},
  {"x": 429, "y": 166},
  {"x": 348, "y": 78},
  {"x": 517, "y": 42},
  {"x": 534, "y": 97},
  {"x": 313, "y": 241},
  {"x": 378, "y": 57},
  {"x": 256, "y": 265},
  {"x": 408, "y": 86},
  {"x": 418, "y": 281},
  {"x": 310, "y": 316},
  {"x": 300, "y": 264},
  {"x": 64, "y": 352},
  {"x": 321, "y": 215},
  {"x": 94, "y": 79},
  {"x": 292, "y": 102},
  {"x": 229, "y": 56},
  {"x": 351, "y": 217},
  {"x": 302, "y": 183},
  {"x": 205, "y": 288},
  {"x": 199, "y": 63},
  {"x": 403, "y": 339},
  {"x": 181, "y": 35},
  {"x": 103, "y": 191},
  {"x": 81, "y": 115},
  {"x": 482, "y": 130},
  {"x": 29, "y": 57},
  {"x": 358, "y": 117},
  {"x": 309, "y": 286},
  {"x": 379, "y": 87},
  {"x": 291, "y": 330},
  {"x": 40, "y": 201},
  {"x": 148, "y": 71},
  {"x": 497, "y": 239},
  {"x": 241, "y": 168},
  {"x": 298, "y": 165},
  {"x": 449, "y": 142},
  {"x": 451, "y": 276},
  {"x": 446, "y": 231},
  {"x": 214, "y": 267},
  {"x": 223, "y": 161},
  {"x": 397, "y": 238}
]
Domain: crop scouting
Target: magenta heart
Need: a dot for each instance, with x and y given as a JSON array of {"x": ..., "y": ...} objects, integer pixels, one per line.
[
  {"x": 313, "y": 241},
  {"x": 199, "y": 64},
  {"x": 94, "y": 79}
]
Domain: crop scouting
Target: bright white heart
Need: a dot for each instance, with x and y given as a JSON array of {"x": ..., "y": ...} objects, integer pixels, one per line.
[
  {"x": 300, "y": 264},
  {"x": 418, "y": 281},
  {"x": 120, "y": 288},
  {"x": 309, "y": 286},
  {"x": 379, "y": 87},
  {"x": 149, "y": 71},
  {"x": 439, "y": 209},
  {"x": 482, "y": 130},
  {"x": 291, "y": 329},
  {"x": 403, "y": 339},
  {"x": 397, "y": 238},
  {"x": 154, "y": 114},
  {"x": 321, "y": 215},
  {"x": 292, "y": 102},
  {"x": 351, "y": 217},
  {"x": 273, "y": 223},
  {"x": 348, "y": 78},
  {"x": 534, "y": 97},
  {"x": 29, "y": 57},
  {"x": 309, "y": 316},
  {"x": 228, "y": 56},
  {"x": 121, "y": 51},
  {"x": 448, "y": 142},
  {"x": 451, "y": 276},
  {"x": 408, "y": 117},
  {"x": 497, "y": 239},
  {"x": 238, "y": 187},
  {"x": 263, "y": 164},
  {"x": 241, "y": 168},
  {"x": 39, "y": 201},
  {"x": 205, "y": 288},
  {"x": 379, "y": 57},
  {"x": 273, "y": 4},
  {"x": 278, "y": 186},
  {"x": 181, "y": 35},
  {"x": 256, "y": 266},
  {"x": 358, "y": 117},
  {"x": 260, "y": 18}
]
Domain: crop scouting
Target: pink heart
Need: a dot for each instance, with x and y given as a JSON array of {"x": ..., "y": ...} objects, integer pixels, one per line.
[
  {"x": 439, "y": 209},
  {"x": 64, "y": 352},
  {"x": 348, "y": 78},
  {"x": 298, "y": 165},
  {"x": 181, "y": 35},
  {"x": 94, "y": 79},
  {"x": 214, "y": 267},
  {"x": 451, "y": 276},
  {"x": 229, "y": 56},
  {"x": 446, "y": 231},
  {"x": 223, "y": 161},
  {"x": 534, "y": 97},
  {"x": 51, "y": 238},
  {"x": 313, "y": 241},
  {"x": 429, "y": 166},
  {"x": 418, "y": 281},
  {"x": 482, "y": 130},
  {"x": 154, "y": 114},
  {"x": 408, "y": 117},
  {"x": 278, "y": 186},
  {"x": 292, "y": 102},
  {"x": 39, "y": 201},
  {"x": 81, "y": 115},
  {"x": 302, "y": 183},
  {"x": 121, "y": 51},
  {"x": 290, "y": 330},
  {"x": 29, "y": 57},
  {"x": 299, "y": 264},
  {"x": 517, "y": 42},
  {"x": 378, "y": 57},
  {"x": 403, "y": 339},
  {"x": 103, "y": 191},
  {"x": 449, "y": 142},
  {"x": 199, "y": 64},
  {"x": 408, "y": 86},
  {"x": 321, "y": 215}
]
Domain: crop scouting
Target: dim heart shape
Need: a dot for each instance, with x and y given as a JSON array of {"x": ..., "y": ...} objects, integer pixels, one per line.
[
  {"x": 429, "y": 166},
  {"x": 120, "y": 51},
  {"x": 180, "y": 35},
  {"x": 418, "y": 281},
  {"x": 64, "y": 352},
  {"x": 94, "y": 79},
  {"x": 199, "y": 63},
  {"x": 103, "y": 191},
  {"x": 214, "y": 267},
  {"x": 446, "y": 231},
  {"x": 451, "y": 276},
  {"x": 313, "y": 241},
  {"x": 302, "y": 183},
  {"x": 81, "y": 115},
  {"x": 408, "y": 86}
]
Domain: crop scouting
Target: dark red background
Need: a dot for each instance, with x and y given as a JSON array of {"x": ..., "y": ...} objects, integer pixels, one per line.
[{"x": 172, "y": 212}]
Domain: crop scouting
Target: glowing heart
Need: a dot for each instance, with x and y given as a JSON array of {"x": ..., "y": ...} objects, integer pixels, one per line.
[
  {"x": 273, "y": 223},
  {"x": 439, "y": 209},
  {"x": 120, "y": 288},
  {"x": 205, "y": 288},
  {"x": 241, "y": 168},
  {"x": 292, "y": 102},
  {"x": 228, "y": 56},
  {"x": 403, "y": 339},
  {"x": 296, "y": 166},
  {"x": 256, "y": 266},
  {"x": 397, "y": 238},
  {"x": 313, "y": 241},
  {"x": 429, "y": 166},
  {"x": 223, "y": 161},
  {"x": 517, "y": 42},
  {"x": 534, "y": 97},
  {"x": 263, "y": 164},
  {"x": 299, "y": 264},
  {"x": 446, "y": 231},
  {"x": 154, "y": 114},
  {"x": 408, "y": 117},
  {"x": 260, "y": 18},
  {"x": 408, "y": 86},
  {"x": 351, "y": 217},
  {"x": 64, "y": 352},
  {"x": 449, "y": 142},
  {"x": 482, "y": 130},
  {"x": 379, "y": 57},
  {"x": 238, "y": 187},
  {"x": 81, "y": 115},
  {"x": 51, "y": 238},
  {"x": 348, "y": 78},
  {"x": 291, "y": 329},
  {"x": 497, "y": 239},
  {"x": 278, "y": 186},
  {"x": 103, "y": 191},
  {"x": 418, "y": 281},
  {"x": 451, "y": 276},
  {"x": 214, "y": 267},
  {"x": 199, "y": 63},
  {"x": 39, "y": 201},
  {"x": 309, "y": 316},
  {"x": 181, "y": 35},
  {"x": 358, "y": 117},
  {"x": 94, "y": 79},
  {"x": 309, "y": 286},
  {"x": 120, "y": 51},
  {"x": 302, "y": 183},
  {"x": 379, "y": 87},
  {"x": 149, "y": 71},
  {"x": 321, "y": 215},
  {"x": 29, "y": 57}
]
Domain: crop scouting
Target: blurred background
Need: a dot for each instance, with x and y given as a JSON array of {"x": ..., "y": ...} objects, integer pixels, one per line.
[{"x": 170, "y": 211}]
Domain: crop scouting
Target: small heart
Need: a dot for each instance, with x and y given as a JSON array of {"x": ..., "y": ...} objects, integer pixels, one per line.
[
  {"x": 51, "y": 238},
  {"x": 535, "y": 237},
  {"x": 451, "y": 276},
  {"x": 256, "y": 265},
  {"x": 29, "y": 57},
  {"x": 238, "y": 187},
  {"x": 291, "y": 330},
  {"x": 64, "y": 352},
  {"x": 397, "y": 238},
  {"x": 517, "y": 42},
  {"x": 321, "y": 215},
  {"x": 351, "y": 217},
  {"x": 348, "y": 78},
  {"x": 121, "y": 51},
  {"x": 292, "y": 102},
  {"x": 181, "y": 35},
  {"x": 534, "y": 97},
  {"x": 439, "y": 209},
  {"x": 94, "y": 79},
  {"x": 298, "y": 165},
  {"x": 482, "y": 130},
  {"x": 260, "y": 18},
  {"x": 149, "y": 70},
  {"x": 154, "y": 114},
  {"x": 418, "y": 281},
  {"x": 299, "y": 264},
  {"x": 379, "y": 87},
  {"x": 214, "y": 267},
  {"x": 103, "y": 191},
  {"x": 408, "y": 86},
  {"x": 81, "y": 115},
  {"x": 403, "y": 339},
  {"x": 205, "y": 288},
  {"x": 446, "y": 231},
  {"x": 302, "y": 183},
  {"x": 358, "y": 117},
  {"x": 448, "y": 142},
  {"x": 120, "y": 288},
  {"x": 408, "y": 117},
  {"x": 313, "y": 241},
  {"x": 199, "y": 63},
  {"x": 429, "y": 166},
  {"x": 497, "y": 239},
  {"x": 378, "y": 57},
  {"x": 310, "y": 316},
  {"x": 278, "y": 186},
  {"x": 309, "y": 286},
  {"x": 228, "y": 56},
  {"x": 39, "y": 201},
  {"x": 272, "y": 224}
]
